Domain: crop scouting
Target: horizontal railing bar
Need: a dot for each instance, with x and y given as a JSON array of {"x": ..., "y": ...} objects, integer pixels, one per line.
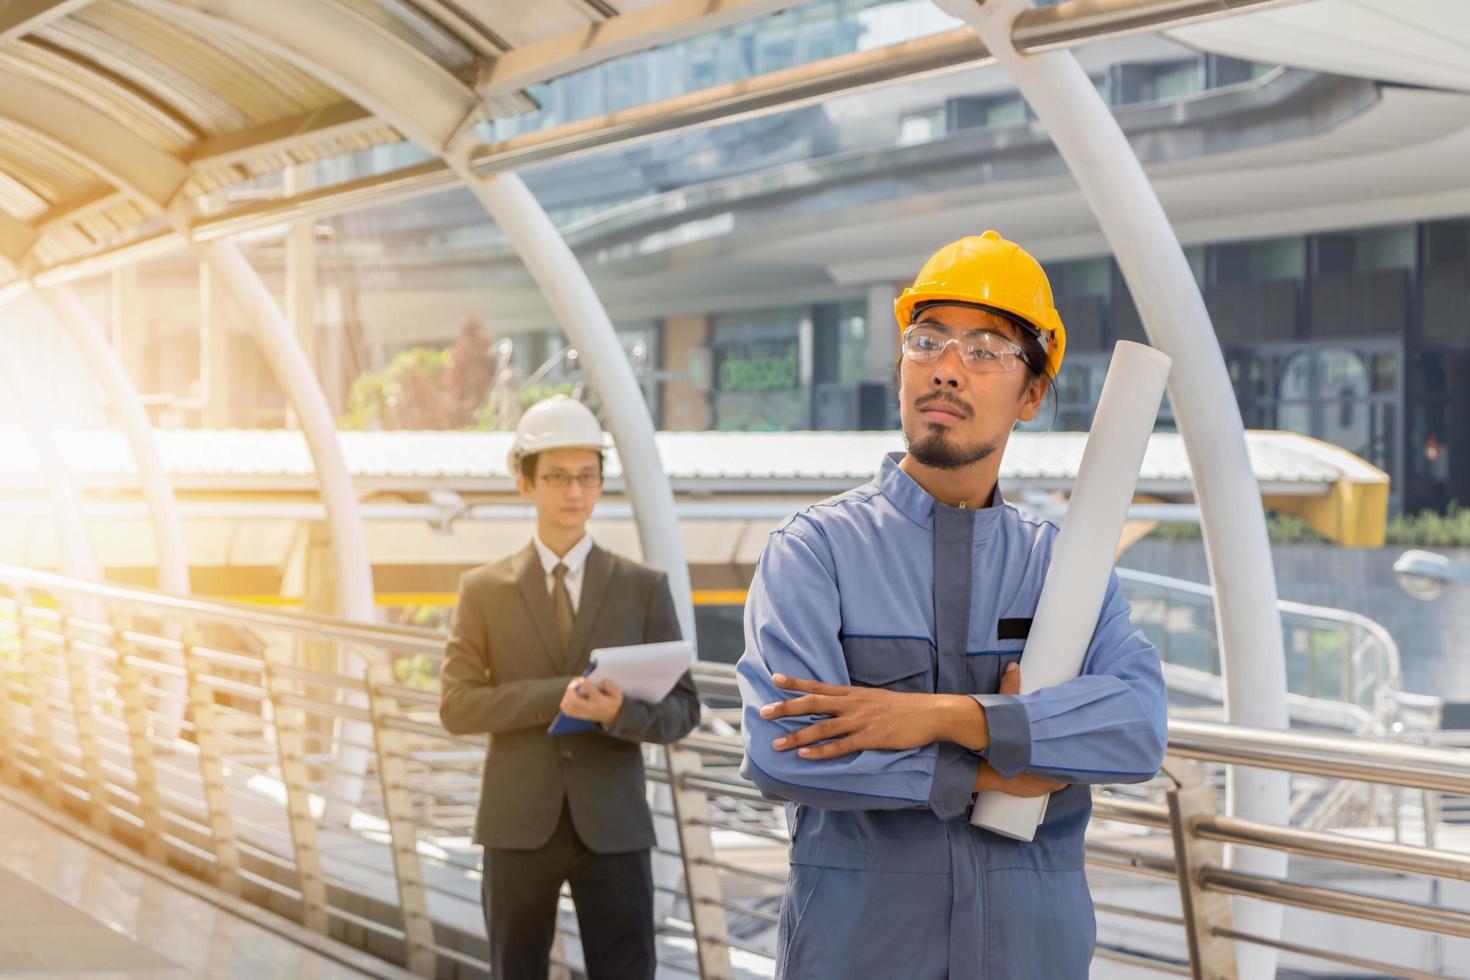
[
  {"x": 1365, "y": 760},
  {"x": 735, "y": 869},
  {"x": 1130, "y": 811},
  {"x": 1172, "y": 920},
  {"x": 1146, "y": 962},
  {"x": 1387, "y": 969},
  {"x": 742, "y": 909},
  {"x": 1390, "y": 911},
  {"x": 405, "y": 638},
  {"x": 320, "y": 708},
  {"x": 320, "y": 678},
  {"x": 1355, "y": 850}
]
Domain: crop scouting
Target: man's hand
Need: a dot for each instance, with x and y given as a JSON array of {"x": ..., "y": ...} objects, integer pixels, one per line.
[
  {"x": 592, "y": 702},
  {"x": 872, "y": 718},
  {"x": 1021, "y": 784}
]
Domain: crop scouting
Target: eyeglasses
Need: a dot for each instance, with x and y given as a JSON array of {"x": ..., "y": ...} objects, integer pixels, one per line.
[
  {"x": 980, "y": 353},
  {"x": 562, "y": 480}
]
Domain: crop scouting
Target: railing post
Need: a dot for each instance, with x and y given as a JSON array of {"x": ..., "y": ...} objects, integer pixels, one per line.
[
  {"x": 211, "y": 768},
  {"x": 79, "y": 679},
  {"x": 135, "y": 714},
  {"x": 38, "y": 681},
  {"x": 418, "y": 929},
  {"x": 9, "y": 746},
  {"x": 296, "y": 779},
  {"x": 1210, "y": 957},
  {"x": 701, "y": 877}
]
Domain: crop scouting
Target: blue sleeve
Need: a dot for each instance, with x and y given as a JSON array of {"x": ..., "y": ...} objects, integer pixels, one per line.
[
  {"x": 1107, "y": 726},
  {"x": 793, "y": 623}
]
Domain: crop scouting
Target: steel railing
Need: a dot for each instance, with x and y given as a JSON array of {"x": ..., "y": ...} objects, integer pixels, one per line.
[{"x": 298, "y": 761}]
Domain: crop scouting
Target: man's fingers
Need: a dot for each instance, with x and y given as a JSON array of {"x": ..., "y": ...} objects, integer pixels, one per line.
[
  {"x": 845, "y": 745},
  {"x": 1010, "y": 680},
  {"x": 610, "y": 688},
  {"x": 815, "y": 732},
  {"x": 807, "y": 704},
  {"x": 802, "y": 684}
]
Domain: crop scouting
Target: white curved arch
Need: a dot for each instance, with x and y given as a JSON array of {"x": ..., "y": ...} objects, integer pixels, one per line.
[
  {"x": 155, "y": 178},
  {"x": 399, "y": 84},
  {"x": 108, "y": 148},
  {"x": 75, "y": 556},
  {"x": 107, "y": 369}
]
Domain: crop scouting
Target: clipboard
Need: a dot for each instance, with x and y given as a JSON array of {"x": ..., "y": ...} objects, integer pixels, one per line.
[{"x": 645, "y": 672}]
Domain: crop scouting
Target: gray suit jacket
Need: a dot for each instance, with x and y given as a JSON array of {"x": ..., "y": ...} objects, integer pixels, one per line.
[{"x": 505, "y": 673}]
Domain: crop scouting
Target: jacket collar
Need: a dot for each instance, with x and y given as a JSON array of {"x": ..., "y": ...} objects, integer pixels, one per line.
[{"x": 914, "y": 502}]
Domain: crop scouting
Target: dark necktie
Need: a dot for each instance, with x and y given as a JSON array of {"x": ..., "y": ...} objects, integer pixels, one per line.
[{"x": 561, "y": 604}]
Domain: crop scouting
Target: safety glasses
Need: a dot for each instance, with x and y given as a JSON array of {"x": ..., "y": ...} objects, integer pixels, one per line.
[{"x": 980, "y": 353}]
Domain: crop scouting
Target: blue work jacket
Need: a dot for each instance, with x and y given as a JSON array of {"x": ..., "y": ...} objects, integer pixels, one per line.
[{"x": 883, "y": 586}]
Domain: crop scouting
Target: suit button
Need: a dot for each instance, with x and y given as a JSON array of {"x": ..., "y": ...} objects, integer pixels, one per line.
[{"x": 566, "y": 753}]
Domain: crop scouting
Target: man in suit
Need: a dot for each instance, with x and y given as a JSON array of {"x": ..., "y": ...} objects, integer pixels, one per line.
[{"x": 569, "y": 808}]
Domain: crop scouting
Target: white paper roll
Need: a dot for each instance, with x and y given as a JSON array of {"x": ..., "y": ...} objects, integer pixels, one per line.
[{"x": 1082, "y": 558}]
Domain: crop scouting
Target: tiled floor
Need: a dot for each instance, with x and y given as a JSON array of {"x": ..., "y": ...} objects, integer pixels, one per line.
[{"x": 67, "y": 910}]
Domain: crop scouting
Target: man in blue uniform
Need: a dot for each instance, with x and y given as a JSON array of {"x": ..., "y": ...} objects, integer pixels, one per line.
[{"x": 884, "y": 632}]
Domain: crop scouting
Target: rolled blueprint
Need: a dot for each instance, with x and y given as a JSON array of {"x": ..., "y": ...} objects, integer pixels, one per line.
[{"x": 1082, "y": 558}]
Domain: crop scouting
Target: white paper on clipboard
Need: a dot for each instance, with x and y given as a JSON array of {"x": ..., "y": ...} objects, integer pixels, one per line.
[{"x": 645, "y": 671}]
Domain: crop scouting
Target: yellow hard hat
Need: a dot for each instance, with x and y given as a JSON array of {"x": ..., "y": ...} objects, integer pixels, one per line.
[{"x": 987, "y": 270}]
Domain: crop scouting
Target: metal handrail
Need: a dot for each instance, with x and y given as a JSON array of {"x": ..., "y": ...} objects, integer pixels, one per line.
[
  {"x": 421, "y": 774},
  {"x": 407, "y": 638}
]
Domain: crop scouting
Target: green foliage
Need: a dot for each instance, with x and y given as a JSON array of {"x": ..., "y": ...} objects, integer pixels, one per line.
[
  {"x": 1429, "y": 529},
  {"x": 1280, "y": 529},
  {"x": 416, "y": 671},
  {"x": 378, "y": 398}
]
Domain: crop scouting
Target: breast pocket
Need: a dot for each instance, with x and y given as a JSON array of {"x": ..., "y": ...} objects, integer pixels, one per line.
[
  {"x": 898, "y": 663},
  {"x": 983, "y": 668}
]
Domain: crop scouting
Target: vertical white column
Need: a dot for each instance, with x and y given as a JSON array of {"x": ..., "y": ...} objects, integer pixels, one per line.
[
  {"x": 883, "y": 336},
  {"x": 1174, "y": 315},
  {"x": 214, "y": 337},
  {"x": 301, "y": 274}
]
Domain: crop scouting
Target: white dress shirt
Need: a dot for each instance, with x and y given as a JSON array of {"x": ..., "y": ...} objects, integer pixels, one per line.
[{"x": 575, "y": 560}]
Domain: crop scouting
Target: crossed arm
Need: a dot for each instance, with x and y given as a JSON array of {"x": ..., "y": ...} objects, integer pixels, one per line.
[
  {"x": 812, "y": 737},
  {"x": 867, "y": 718}
]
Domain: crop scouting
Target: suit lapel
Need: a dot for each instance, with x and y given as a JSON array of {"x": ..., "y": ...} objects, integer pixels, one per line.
[
  {"x": 595, "y": 577},
  {"x": 532, "y": 579}
]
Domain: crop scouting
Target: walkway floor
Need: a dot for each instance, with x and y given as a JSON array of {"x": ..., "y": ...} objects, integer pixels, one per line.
[{"x": 68, "y": 910}]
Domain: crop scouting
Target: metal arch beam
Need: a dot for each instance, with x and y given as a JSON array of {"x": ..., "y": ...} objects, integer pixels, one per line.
[
  {"x": 343, "y": 119},
  {"x": 624, "y": 34},
  {"x": 109, "y": 148},
  {"x": 19, "y": 17},
  {"x": 775, "y": 92},
  {"x": 107, "y": 369},
  {"x": 16, "y": 239},
  {"x": 1117, "y": 189},
  {"x": 278, "y": 343},
  {"x": 355, "y": 56},
  {"x": 333, "y": 45},
  {"x": 285, "y": 356},
  {"x": 74, "y": 547}
]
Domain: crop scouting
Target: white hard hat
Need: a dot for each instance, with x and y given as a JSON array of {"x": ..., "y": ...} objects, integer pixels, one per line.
[{"x": 558, "y": 422}]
